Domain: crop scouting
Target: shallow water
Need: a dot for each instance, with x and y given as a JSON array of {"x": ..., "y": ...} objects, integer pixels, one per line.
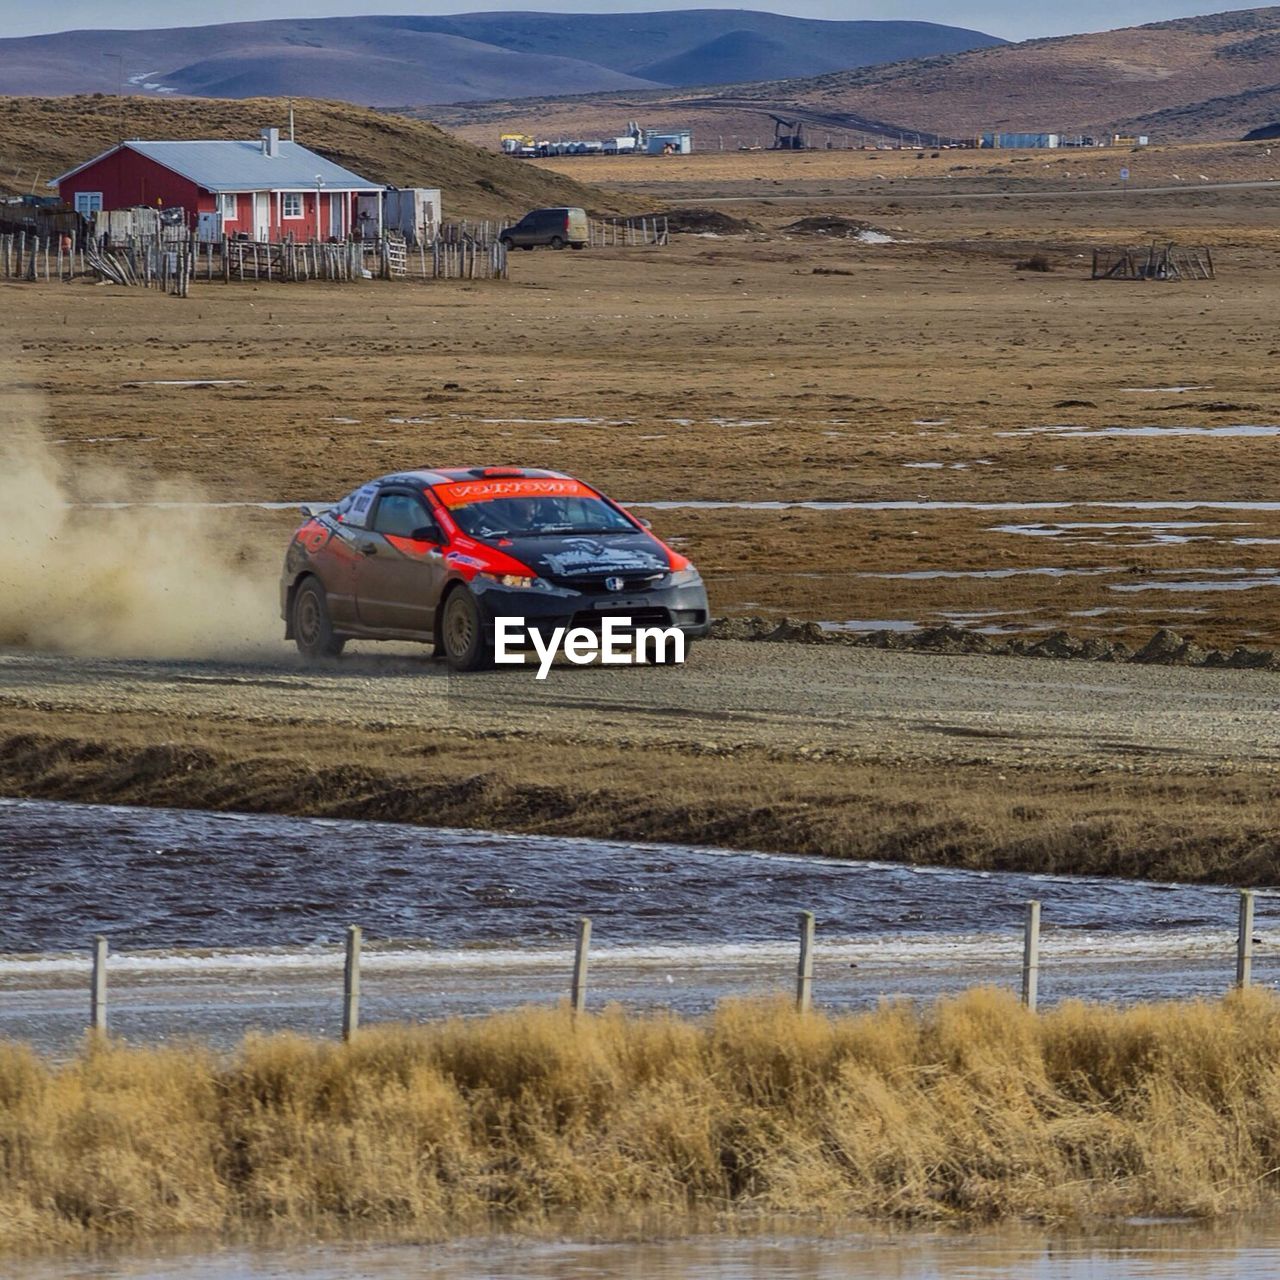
[
  {"x": 223, "y": 922},
  {"x": 1245, "y": 1250}
]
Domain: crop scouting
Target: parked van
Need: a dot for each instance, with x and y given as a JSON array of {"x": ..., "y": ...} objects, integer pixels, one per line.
[{"x": 554, "y": 227}]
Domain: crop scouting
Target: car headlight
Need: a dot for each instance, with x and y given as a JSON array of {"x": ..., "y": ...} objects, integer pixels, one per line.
[
  {"x": 689, "y": 577},
  {"x": 520, "y": 581}
]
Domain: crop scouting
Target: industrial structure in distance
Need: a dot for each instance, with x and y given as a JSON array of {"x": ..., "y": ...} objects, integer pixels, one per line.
[{"x": 636, "y": 141}]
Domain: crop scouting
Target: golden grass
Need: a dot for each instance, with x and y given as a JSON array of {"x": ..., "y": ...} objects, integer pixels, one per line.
[{"x": 967, "y": 1109}]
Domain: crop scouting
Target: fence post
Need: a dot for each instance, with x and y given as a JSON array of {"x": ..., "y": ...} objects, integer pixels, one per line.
[
  {"x": 1244, "y": 940},
  {"x": 351, "y": 984},
  {"x": 804, "y": 970},
  {"x": 1031, "y": 956},
  {"x": 98, "y": 988},
  {"x": 578, "y": 992}
]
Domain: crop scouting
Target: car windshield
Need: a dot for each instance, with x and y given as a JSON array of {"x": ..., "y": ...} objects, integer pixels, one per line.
[{"x": 536, "y": 517}]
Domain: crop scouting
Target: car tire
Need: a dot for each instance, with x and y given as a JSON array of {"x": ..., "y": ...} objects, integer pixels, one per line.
[
  {"x": 312, "y": 625},
  {"x": 557, "y": 242},
  {"x": 577, "y": 246},
  {"x": 462, "y": 635},
  {"x": 664, "y": 661},
  {"x": 508, "y": 243}
]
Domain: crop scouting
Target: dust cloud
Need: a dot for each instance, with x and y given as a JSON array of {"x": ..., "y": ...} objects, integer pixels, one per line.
[{"x": 134, "y": 582}]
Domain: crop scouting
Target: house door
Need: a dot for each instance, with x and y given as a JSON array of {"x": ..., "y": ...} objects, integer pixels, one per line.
[
  {"x": 262, "y": 215},
  {"x": 336, "y": 229}
]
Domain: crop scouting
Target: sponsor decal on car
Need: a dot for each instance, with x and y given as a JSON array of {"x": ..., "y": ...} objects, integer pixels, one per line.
[
  {"x": 460, "y": 493},
  {"x": 618, "y": 643}
]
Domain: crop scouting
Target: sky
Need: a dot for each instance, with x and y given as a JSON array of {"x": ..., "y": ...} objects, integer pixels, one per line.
[{"x": 1012, "y": 19}]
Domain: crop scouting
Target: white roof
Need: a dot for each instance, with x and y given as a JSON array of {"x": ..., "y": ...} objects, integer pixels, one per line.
[{"x": 243, "y": 166}]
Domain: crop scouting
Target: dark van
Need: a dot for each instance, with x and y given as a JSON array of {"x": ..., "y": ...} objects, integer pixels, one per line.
[{"x": 554, "y": 227}]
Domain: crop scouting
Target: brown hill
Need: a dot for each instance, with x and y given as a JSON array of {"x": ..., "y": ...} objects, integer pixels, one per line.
[
  {"x": 43, "y": 137},
  {"x": 1194, "y": 78}
]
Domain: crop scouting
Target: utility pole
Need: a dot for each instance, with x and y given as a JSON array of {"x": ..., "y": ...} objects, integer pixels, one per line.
[{"x": 119, "y": 57}]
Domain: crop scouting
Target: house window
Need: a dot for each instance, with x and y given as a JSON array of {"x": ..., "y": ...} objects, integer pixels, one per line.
[
  {"x": 227, "y": 205},
  {"x": 291, "y": 204},
  {"x": 88, "y": 202}
]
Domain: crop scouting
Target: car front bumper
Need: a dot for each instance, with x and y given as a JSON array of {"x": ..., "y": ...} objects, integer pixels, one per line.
[{"x": 683, "y": 607}]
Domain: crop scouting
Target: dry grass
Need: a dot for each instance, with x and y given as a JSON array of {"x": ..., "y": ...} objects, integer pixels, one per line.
[{"x": 969, "y": 1109}]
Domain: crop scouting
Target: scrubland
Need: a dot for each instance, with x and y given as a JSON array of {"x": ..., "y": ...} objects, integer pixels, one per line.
[{"x": 967, "y": 1110}]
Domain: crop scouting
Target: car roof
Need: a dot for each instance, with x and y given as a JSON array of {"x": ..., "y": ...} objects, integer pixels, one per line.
[{"x": 451, "y": 475}]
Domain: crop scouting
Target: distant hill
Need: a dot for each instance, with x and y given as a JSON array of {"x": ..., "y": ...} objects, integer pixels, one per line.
[
  {"x": 388, "y": 60},
  {"x": 43, "y": 137},
  {"x": 1216, "y": 76}
]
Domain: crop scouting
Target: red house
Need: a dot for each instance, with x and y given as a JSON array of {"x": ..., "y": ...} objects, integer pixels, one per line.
[{"x": 264, "y": 190}]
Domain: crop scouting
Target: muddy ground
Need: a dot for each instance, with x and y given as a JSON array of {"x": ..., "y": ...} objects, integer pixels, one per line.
[
  {"x": 1020, "y": 450},
  {"x": 1008, "y": 449}
]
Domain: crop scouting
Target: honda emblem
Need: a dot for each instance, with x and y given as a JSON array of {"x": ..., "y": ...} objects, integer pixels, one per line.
[{"x": 614, "y": 584}]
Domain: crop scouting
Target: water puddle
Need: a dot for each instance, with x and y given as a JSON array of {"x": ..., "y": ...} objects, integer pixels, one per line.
[
  {"x": 557, "y": 422},
  {"x": 1250, "y": 580},
  {"x": 1237, "y": 430},
  {"x": 922, "y": 504},
  {"x": 1117, "y": 532},
  {"x": 190, "y": 382},
  {"x": 1153, "y": 1249},
  {"x": 874, "y": 624}
]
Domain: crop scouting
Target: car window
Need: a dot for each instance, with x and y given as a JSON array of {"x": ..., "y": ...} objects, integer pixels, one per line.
[
  {"x": 534, "y": 517},
  {"x": 400, "y": 514}
]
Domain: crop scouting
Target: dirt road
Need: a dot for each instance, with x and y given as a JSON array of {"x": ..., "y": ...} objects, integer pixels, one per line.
[{"x": 786, "y": 697}]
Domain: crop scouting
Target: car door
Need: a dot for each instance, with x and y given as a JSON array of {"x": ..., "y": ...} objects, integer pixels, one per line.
[{"x": 399, "y": 577}]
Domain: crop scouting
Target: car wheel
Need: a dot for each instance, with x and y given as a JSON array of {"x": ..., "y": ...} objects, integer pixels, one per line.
[
  {"x": 557, "y": 242},
  {"x": 508, "y": 243},
  {"x": 462, "y": 635},
  {"x": 662, "y": 657},
  {"x": 312, "y": 626}
]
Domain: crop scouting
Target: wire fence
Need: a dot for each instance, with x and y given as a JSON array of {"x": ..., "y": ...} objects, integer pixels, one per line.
[{"x": 578, "y": 979}]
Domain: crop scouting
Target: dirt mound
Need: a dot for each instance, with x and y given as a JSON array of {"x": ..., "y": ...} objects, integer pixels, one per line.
[
  {"x": 1166, "y": 648},
  {"x": 829, "y": 224},
  {"x": 703, "y": 222}
]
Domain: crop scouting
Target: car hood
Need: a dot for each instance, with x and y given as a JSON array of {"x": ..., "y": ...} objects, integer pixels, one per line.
[{"x": 571, "y": 556}]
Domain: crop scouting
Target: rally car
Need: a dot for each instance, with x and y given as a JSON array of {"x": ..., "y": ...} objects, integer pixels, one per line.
[{"x": 435, "y": 556}]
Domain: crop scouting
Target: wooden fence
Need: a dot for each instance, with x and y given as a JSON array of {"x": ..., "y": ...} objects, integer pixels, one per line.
[
  {"x": 578, "y": 978},
  {"x": 605, "y": 233},
  {"x": 28, "y": 256},
  {"x": 1154, "y": 262},
  {"x": 602, "y": 233},
  {"x": 173, "y": 262}
]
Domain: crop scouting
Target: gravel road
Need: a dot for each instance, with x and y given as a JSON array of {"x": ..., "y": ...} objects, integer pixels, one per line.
[{"x": 785, "y": 696}]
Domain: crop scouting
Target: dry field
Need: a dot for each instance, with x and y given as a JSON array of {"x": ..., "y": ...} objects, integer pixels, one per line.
[
  {"x": 965, "y": 1111},
  {"x": 1020, "y": 450},
  {"x": 841, "y": 173}
]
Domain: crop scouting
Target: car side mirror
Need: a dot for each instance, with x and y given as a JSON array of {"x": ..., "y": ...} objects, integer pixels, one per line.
[
  {"x": 648, "y": 524},
  {"x": 428, "y": 533}
]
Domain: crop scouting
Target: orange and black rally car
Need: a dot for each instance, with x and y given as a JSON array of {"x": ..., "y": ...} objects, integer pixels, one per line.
[{"x": 437, "y": 555}]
